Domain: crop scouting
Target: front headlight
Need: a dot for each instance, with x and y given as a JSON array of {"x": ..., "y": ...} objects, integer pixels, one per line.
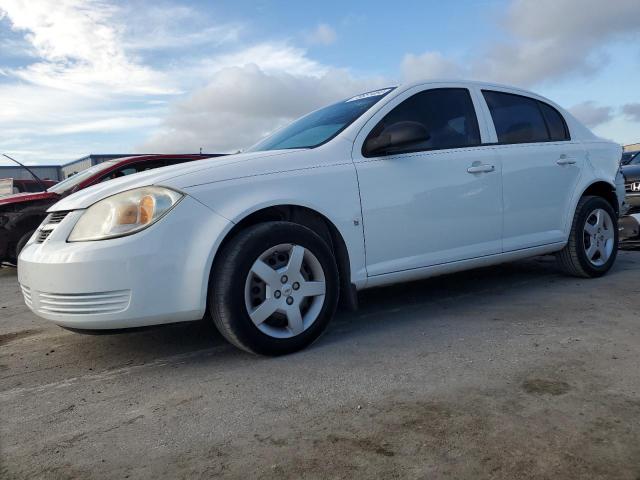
[{"x": 124, "y": 213}]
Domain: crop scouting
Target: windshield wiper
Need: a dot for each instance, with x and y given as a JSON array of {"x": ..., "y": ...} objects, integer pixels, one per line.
[{"x": 40, "y": 182}]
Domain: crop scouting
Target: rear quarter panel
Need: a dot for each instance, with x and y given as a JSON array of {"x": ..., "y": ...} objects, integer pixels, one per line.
[{"x": 602, "y": 165}]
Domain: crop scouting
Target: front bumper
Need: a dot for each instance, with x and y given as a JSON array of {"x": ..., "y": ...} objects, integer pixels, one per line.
[
  {"x": 158, "y": 275},
  {"x": 633, "y": 200}
]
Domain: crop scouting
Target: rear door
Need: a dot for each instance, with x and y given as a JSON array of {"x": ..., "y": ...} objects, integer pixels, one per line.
[{"x": 541, "y": 166}]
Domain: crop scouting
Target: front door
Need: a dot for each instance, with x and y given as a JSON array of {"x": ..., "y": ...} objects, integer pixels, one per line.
[{"x": 431, "y": 201}]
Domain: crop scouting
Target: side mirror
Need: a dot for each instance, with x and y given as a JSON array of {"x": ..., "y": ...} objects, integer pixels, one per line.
[{"x": 399, "y": 134}]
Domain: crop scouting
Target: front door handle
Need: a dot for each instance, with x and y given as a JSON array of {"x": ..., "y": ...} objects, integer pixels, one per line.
[{"x": 481, "y": 168}]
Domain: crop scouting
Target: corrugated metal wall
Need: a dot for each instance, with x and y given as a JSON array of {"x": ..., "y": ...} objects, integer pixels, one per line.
[
  {"x": 76, "y": 167},
  {"x": 46, "y": 172}
]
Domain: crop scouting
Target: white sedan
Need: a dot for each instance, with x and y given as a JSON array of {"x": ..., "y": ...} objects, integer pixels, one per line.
[{"x": 387, "y": 186}]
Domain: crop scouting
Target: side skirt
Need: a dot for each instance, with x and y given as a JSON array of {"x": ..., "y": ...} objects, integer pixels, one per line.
[{"x": 452, "y": 267}]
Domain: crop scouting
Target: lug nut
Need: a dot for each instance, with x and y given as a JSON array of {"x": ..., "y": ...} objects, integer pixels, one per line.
[
  {"x": 284, "y": 279},
  {"x": 296, "y": 285},
  {"x": 277, "y": 294},
  {"x": 289, "y": 300}
]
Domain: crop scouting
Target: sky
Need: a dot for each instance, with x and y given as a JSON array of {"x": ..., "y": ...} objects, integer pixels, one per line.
[{"x": 143, "y": 76}]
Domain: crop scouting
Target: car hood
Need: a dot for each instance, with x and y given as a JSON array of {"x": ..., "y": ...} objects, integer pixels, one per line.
[
  {"x": 631, "y": 173},
  {"x": 180, "y": 176},
  {"x": 27, "y": 197}
]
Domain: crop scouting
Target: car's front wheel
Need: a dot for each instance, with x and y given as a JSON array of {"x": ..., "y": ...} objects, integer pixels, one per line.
[
  {"x": 593, "y": 242},
  {"x": 274, "y": 288}
]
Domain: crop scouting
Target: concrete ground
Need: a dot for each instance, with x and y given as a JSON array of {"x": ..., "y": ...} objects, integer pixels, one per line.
[{"x": 507, "y": 372}]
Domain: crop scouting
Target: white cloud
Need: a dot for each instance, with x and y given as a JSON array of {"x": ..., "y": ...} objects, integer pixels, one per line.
[
  {"x": 544, "y": 40},
  {"x": 167, "y": 26},
  {"x": 429, "y": 65},
  {"x": 323, "y": 34},
  {"x": 591, "y": 114},
  {"x": 79, "y": 48},
  {"x": 269, "y": 56},
  {"x": 243, "y": 103},
  {"x": 632, "y": 111}
]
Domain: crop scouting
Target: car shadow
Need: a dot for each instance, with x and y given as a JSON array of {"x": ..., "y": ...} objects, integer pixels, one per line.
[{"x": 381, "y": 309}]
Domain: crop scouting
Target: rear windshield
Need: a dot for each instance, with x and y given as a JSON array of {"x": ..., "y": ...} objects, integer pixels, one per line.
[{"x": 74, "y": 180}]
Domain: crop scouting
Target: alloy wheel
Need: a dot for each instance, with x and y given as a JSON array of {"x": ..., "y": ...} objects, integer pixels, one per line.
[
  {"x": 599, "y": 237},
  {"x": 285, "y": 290}
]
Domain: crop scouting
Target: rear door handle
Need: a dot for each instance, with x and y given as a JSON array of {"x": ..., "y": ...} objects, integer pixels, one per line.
[
  {"x": 481, "y": 168},
  {"x": 564, "y": 160}
]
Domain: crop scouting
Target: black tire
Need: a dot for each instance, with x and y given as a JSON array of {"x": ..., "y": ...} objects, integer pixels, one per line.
[
  {"x": 573, "y": 259},
  {"x": 22, "y": 241},
  {"x": 227, "y": 286}
]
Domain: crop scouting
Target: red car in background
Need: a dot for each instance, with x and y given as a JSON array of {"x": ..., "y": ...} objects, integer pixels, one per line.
[{"x": 22, "y": 213}]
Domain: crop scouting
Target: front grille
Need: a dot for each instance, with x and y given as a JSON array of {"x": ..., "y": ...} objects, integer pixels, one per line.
[
  {"x": 83, "y": 303},
  {"x": 49, "y": 225},
  {"x": 43, "y": 235},
  {"x": 56, "y": 217}
]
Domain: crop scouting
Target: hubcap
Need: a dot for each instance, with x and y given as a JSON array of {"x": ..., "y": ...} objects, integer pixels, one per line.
[
  {"x": 599, "y": 237},
  {"x": 284, "y": 291}
]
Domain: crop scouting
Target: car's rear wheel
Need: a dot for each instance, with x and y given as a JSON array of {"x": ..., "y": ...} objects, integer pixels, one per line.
[
  {"x": 274, "y": 288},
  {"x": 593, "y": 242}
]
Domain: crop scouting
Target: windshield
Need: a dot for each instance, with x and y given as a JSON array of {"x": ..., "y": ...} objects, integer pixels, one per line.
[
  {"x": 74, "y": 180},
  {"x": 322, "y": 125}
]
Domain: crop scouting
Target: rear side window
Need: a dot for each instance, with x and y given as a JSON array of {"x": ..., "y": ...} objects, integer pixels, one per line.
[
  {"x": 447, "y": 115},
  {"x": 517, "y": 119},
  {"x": 557, "y": 127}
]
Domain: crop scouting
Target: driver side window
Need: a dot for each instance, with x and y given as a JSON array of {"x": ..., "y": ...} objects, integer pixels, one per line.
[{"x": 430, "y": 120}]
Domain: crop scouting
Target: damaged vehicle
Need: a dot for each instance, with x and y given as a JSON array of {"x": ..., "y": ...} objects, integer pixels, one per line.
[
  {"x": 21, "y": 213},
  {"x": 10, "y": 186},
  {"x": 388, "y": 186},
  {"x": 630, "y": 222}
]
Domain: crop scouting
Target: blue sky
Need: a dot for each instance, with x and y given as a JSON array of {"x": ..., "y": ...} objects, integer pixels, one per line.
[{"x": 94, "y": 76}]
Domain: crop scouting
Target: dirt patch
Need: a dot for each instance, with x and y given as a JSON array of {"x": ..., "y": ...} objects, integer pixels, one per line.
[
  {"x": 473, "y": 436},
  {"x": 13, "y": 336},
  {"x": 541, "y": 386}
]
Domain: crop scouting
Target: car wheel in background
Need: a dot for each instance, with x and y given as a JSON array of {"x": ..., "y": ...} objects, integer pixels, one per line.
[
  {"x": 274, "y": 288},
  {"x": 22, "y": 241},
  {"x": 593, "y": 242}
]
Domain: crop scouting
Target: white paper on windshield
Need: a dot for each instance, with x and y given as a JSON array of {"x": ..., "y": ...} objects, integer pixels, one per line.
[{"x": 375, "y": 93}]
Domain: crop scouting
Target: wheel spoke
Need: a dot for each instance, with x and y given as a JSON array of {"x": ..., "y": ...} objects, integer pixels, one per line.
[
  {"x": 590, "y": 229},
  {"x": 312, "y": 289},
  {"x": 265, "y": 272},
  {"x": 599, "y": 219},
  {"x": 294, "y": 317},
  {"x": 604, "y": 255},
  {"x": 591, "y": 251},
  {"x": 295, "y": 260},
  {"x": 264, "y": 311}
]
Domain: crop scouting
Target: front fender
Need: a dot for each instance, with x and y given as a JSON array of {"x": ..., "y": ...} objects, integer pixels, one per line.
[{"x": 331, "y": 191}]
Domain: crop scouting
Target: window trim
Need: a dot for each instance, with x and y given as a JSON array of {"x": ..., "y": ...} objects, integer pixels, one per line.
[
  {"x": 567, "y": 133},
  {"x": 538, "y": 102},
  {"x": 431, "y": 149}
]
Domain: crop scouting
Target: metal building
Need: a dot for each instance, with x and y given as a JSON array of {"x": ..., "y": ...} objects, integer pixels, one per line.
[
  {"x": 634, "y": 147},
  {"x": 45, "y": 172},
  {"x": 57, "y": 172}
]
